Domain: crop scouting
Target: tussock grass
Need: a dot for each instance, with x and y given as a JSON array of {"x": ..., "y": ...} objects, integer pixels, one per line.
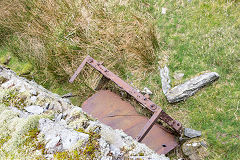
[{"x": 57, "y": 35}]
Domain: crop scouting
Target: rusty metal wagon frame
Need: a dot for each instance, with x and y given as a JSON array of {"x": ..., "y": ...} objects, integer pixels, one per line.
[{"x": 158, "y": 112}]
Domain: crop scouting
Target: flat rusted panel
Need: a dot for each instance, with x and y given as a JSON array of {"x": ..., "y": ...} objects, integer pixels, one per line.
[{"x": 111, "y": 110}]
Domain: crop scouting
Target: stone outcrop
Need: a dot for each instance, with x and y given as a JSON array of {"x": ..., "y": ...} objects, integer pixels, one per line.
[
  {"x": 38, "y": 124},
  {"x": 190, "y": 87},
  {"x": 195, "y": 149},
  {"x": 191, "y": 133},
  {"x": 164, "y": 73}
]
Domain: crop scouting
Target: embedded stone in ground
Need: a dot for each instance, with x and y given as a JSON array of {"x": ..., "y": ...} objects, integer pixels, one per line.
[
  {"x": 190, "y": 87},
  {"x": 191, "y": 133},
  {"x": 164, "y": 73},
  {"x": 58, "y": 136}
]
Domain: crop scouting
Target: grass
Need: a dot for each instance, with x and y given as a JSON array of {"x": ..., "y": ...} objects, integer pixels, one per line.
[{"x": 192, "y": 37}]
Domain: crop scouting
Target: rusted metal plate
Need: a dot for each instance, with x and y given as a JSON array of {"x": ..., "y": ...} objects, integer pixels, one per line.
[{"x": 111, "y": 110}]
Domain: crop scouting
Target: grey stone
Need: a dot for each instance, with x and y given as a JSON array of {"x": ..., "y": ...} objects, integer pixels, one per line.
[
  {"x": 22, "y": 88},
  {"x": 191, "y": 133},
  {"x": 34, "y": 109},
  {"x": 147, "y": 91},
  {"x": 189, "y": 88},
  {"x": 58, "y": 136},
  {"x": 22, "y": 114},
  {"x": 68, "y": 95},
  {"x": 33, "y": 99},
  {"x": 203, "y": 144},
  {"x": 53, "y": 143},
  {"x": 58, "y": 117},
  {"x": 49, "y": 156},
  {"x": 164, "y": 73},
  {"x": 194, "y": 150},
  {"x": 8, "y": 84},
  {"x": 33, "y": 92}
]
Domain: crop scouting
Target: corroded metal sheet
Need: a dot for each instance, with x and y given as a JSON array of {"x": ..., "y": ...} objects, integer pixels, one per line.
[{"x": 111, "y": 110}]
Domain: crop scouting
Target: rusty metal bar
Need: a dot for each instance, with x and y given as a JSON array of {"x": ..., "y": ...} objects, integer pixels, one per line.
[
  {"x": 174, "y": 124},
  {"x": 79, "y": 69},
  {"x": 148, "y": 125}
]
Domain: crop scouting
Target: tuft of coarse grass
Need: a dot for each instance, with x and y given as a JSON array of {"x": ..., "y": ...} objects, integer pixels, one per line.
[{"x": 57, "y": 35}]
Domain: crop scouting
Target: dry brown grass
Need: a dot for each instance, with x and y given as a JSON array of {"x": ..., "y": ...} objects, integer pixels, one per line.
[{"x": 57, "y": 35}]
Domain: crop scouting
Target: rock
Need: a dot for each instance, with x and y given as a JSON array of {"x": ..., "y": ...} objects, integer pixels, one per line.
[
  {"x": 22, "y": 114},
  {"x": 34, "y": 109},
  {"x": 58, "y": 136},
  {"x": 194, "y": 150},
  {"x": 53, "y": 143},
  {"x": 49, "y": 156},
  {"x": 164, "y": 10},
  {"x": 189, "y": 88},
  {"x": 68, "y": 95},
  {"x": 164, "y": 73},
  {"x": 33, "y": 92},
  {"x": 58, "y": 117},
  {"x": 147, "y": 91},
  {"x": 203, "y": 143},
  {"x": 33, "y": 99},
  {"x": 178, "y": 75},
  {"x": 8, "y": 84},
  {"x": 191, "y": 133}
]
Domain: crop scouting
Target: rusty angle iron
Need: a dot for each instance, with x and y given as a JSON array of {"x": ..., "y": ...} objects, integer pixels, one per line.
[{"x": 110, "y": 109}]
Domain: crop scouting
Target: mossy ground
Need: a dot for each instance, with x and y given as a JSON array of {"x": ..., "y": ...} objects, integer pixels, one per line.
[
  {"x": 12, "y": 98},
  {"x": 195, "y": 36},
  {"x": 19, "y": 137}
]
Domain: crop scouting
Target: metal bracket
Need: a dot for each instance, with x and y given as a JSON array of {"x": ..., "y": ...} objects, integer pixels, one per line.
[{"x": 158, "y": 112}]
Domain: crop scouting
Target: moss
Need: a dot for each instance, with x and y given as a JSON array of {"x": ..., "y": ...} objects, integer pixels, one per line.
[
  {"x": 3, "y": 140},
  {"x": 12, "y": 98},
  {"x": 32, "y": 141},
  {"x": 81, "y": 130},
  {"x": 141, "y": 154},
  {"x": 27, "y": 68},
  {"x": 92, "y": 145},
  {"x": 3, "y": 80},
  {"x": 4, "y": 59},
  {"x": 62, "y": 155},
  {"x": 73, "y": 155}
]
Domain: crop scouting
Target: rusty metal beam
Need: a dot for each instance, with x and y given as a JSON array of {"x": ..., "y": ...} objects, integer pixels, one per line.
[
  {"x": 174, "y": 124},
  {"x": 148, "y": 126}
]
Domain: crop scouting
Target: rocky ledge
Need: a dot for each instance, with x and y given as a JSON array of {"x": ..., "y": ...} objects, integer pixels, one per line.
[{"x": 38, "y": 124}]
